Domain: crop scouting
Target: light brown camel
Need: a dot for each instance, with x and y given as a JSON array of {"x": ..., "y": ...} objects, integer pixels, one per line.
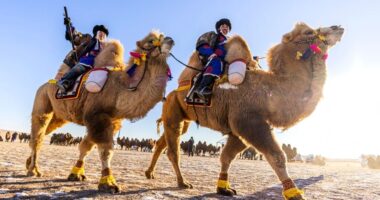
[
  {"x": 280, "y": 97},
  {"x": 103, "y": 112}
]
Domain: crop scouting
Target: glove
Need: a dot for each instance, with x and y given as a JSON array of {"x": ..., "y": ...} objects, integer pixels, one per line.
[{"x": 66, "y": 20}]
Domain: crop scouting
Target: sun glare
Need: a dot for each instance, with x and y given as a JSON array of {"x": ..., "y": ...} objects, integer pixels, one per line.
[{"x": 344, "y": 125}]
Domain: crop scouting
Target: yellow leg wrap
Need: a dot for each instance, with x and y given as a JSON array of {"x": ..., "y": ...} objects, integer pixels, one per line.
[
  {"x": 78, "y": 170},
  {"x": 182, "y": 88},
  {"x": 109, "y": 180},
  {"x": 223, "y": 184},
  {"x": 292, "y": 192}
]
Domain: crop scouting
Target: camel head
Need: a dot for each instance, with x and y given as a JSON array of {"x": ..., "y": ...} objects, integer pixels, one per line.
[
  {"x": 303, "y": 35},
  {"x": 332, "y": 34},
  {"x": 155, "y": 44}
]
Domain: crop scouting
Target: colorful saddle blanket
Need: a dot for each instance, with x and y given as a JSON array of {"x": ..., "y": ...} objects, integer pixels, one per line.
[
  {"x": 75, "y": 91},
  {"x": 193, "y": 99}
]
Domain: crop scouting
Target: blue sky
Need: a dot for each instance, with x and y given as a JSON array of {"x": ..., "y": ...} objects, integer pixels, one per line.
[{"x": 343, "y": 125}]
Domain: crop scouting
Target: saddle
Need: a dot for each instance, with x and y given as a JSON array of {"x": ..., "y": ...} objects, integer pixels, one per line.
[
  {"x": 193, "y": 99},
  {"x": 233, "y": 73},
  {"x": 75, "y": 90}
]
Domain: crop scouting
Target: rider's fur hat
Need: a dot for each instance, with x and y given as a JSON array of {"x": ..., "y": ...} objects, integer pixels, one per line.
[
  {"x": 99, "y": 28},
  {"x": 221, "y": 22}
]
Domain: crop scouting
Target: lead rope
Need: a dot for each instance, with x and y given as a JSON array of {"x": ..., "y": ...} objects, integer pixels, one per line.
[
  {"x": 188, "y": 66},
  {"x": 145, "y": 68}
]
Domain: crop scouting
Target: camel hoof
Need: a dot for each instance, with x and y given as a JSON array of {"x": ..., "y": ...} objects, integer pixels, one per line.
[
  {"x": 226, "y": 191},
  {"x": 103, "y": 187},
  {"x": 28, "y": 161},
  {"x": 298, "y": 197},
  {"x": 34, "y": 173},
  {"x": 31, "y": 174},
  {"x": 293, "y": 194},
  {"x": 185, "y": 185},
  {"x": 149, "y": 175},
  {"x": 76, "y": 177}
]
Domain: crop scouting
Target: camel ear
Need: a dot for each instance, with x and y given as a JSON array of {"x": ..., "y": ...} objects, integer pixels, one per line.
[
  {"x": 138, "y": 43},
  {"x": 287, "y": 37}
]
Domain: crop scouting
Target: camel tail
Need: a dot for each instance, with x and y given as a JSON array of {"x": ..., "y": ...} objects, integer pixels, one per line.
[{"x": 159, "y": 123}]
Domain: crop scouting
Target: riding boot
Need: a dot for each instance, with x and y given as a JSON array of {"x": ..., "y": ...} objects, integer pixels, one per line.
[
  {"x": 205, "y": 88},
  {"x": 69, "y": 78}
]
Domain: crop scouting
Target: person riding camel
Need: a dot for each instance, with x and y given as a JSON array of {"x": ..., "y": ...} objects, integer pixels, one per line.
[
  {"x": 86, "y": 57},
  {"x": 210, "y": 47},
  {"x": 77, "y": 38}
]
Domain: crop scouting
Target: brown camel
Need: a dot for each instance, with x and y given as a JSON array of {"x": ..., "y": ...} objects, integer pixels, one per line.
[
  {"x": 103, "y": 112},
  {"x": 280, "y": 97}
]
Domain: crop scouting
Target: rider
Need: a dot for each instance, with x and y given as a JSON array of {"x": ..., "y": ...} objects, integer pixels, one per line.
[
  {"x": 86, "y": 57},
  {"x": 210, "y": 47},
  {"x": 76, "y": 37}
]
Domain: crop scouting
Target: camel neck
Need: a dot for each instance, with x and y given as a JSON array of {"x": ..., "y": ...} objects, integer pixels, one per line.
[
  {"x": 297, "y": 90},
  {"x": 149, "y": 92}
]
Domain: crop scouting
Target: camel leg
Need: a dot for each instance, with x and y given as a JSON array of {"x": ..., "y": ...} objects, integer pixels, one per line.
[
  {"x": 101, "y": 129},
  {"x": 39, "y": 124},
  {"x": 233, "y": 147},
  {"x": 259, "y": 134},
  {"x": 159, "y": 147},
  {"x": 107, "y": 182},
  {"x": 54, "y": 124},
  {"x": 77, "y": 173},
  {"x": 41, "y": 116},
  {"x": 172, "y": 137}
]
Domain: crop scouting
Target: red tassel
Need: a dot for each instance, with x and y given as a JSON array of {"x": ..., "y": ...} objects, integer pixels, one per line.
[{"x": 135, "y": 54}]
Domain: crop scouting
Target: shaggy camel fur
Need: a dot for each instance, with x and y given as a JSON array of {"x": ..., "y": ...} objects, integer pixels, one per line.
[
  {"x": 103, "y": 112},
  {"x": 280, "y": 97}
]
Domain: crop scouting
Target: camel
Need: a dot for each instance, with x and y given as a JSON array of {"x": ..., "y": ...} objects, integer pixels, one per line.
[
  {"x": 280, "y": 97},
  {"x": 103, "y": 112},
  {"x": 8, "y": 136}
]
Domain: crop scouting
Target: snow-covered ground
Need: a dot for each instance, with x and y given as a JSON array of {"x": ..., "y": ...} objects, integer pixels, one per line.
[{"x": 251, "y": 179}]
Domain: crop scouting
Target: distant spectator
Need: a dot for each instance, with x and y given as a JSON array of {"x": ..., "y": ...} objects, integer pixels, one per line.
[{"x": 190, "y": 147}]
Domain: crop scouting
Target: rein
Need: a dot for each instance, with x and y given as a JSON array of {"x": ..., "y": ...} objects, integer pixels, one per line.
[
  {"x": 149, "y": 51},
  {"x": 188, "y": 66},
  {"x": 145, "y": 68}
]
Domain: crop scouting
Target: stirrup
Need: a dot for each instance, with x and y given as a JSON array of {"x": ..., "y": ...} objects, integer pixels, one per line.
[{"x": 61, "y": 86}]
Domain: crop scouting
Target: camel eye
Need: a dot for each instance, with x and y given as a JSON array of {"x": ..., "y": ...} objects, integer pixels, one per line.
[{"x": 309, "y": 32}]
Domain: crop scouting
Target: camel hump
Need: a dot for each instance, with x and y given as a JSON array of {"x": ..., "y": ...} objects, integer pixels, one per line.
[
  {"x": 111, "y": 55},
  {"x": 238, "y": 49},
  {"x": 115, "y": 46}
]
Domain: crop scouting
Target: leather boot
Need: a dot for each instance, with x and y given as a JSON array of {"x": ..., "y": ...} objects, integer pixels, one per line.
[
  {"x": 69, "y": 78},
  {"x": 205, "y": 87},
  {"x": 64, "y": 85}
]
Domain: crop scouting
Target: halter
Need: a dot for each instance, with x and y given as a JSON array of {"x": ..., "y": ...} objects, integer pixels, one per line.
[
  {"x": 143, "y": 56},
  {"x": 313, "y": 47},
  {"x": 312, "y": 50},
  {"x": 156, "y": 43}
]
